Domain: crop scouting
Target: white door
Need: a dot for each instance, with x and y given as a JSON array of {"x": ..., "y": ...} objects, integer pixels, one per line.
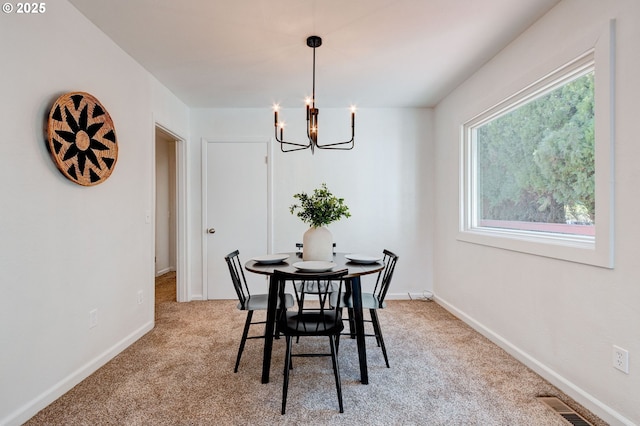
[{"x": 236, "y": 202}]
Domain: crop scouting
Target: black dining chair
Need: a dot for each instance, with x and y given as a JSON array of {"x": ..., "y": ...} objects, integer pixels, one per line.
[
  {"x": 371, "y": 301},
  {"x": 318, "y": 322},
  {"x": 249, "y": 302}
]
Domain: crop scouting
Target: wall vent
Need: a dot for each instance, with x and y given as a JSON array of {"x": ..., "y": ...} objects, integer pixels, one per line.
[{"x": 564, "y": 411}]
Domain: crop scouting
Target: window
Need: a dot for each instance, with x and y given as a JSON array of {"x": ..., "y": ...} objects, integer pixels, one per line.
[{"x": 533, "y": 164}]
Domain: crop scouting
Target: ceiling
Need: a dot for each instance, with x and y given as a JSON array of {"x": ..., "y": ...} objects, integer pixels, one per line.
[{"x": 252, "y": 53}]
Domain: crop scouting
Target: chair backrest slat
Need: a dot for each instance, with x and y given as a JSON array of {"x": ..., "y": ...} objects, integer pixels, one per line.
[
  {"x": 237, "y": 277},
  {"x": 384, "y": 277}
]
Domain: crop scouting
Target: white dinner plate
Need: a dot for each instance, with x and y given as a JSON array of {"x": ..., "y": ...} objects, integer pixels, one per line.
[
  {"x": 362, "y": 258},
  {"x": 314, "y": 266},
  {"x": 271, "y": 258}
]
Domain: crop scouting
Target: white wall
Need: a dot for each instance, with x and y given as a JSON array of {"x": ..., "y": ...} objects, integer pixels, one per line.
[
  {"x": 386, "y": 180},
  {"x": 171, "y": 114},
  {"x": 67, "y": 249},
  {"x": 561, "y": 318}
]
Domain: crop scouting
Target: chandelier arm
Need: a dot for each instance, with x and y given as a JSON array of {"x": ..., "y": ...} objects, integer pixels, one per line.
[
  {"x": 335, "y": 145},
  {"x": 300, "y": 147},
  {"x": 350, "y": 141},
  {"x": 329, "y": 145},
  {"x": 282, "y": 141},
  {"x": 303, "y": 146}
]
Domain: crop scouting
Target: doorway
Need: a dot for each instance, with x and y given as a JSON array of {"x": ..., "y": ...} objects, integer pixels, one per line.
[{"x": 169, "y": 212}]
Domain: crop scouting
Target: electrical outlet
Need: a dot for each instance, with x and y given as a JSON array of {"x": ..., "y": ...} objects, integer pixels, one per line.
[
  {"x": 93, "y": 318},
  {"x": 140, "y": 297},
  {"x": 621, "y": 359}
]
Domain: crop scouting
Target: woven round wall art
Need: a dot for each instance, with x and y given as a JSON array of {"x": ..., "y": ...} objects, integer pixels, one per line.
[{"x": 82, "y": 139}]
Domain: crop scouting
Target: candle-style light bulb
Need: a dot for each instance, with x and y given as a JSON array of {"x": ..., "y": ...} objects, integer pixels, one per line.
[{"x": 307, "y": 102}]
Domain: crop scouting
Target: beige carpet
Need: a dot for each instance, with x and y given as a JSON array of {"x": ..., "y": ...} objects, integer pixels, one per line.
[
  {"x": 166, "y": 288},
  {"x": 181, "y": 373}
]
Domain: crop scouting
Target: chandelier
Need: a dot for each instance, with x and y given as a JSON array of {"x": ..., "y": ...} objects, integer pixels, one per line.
[{"x": 312, "y": 118}]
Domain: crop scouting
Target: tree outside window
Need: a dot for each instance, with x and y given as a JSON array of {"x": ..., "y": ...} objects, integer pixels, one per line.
[{"x": 535, "y": 164}]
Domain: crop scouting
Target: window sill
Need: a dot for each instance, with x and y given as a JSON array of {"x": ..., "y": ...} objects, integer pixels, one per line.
[{"x": 572, "y": 248}]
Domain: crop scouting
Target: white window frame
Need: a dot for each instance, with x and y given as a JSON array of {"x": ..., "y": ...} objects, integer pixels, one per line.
[{"x": 593, "y": 250}]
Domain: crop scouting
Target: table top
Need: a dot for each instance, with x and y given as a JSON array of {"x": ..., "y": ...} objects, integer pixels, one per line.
[{"x": 355, "y": 269}]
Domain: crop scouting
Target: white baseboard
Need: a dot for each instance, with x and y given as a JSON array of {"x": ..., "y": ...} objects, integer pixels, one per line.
[
  {"x": 397, "y": 296},
  {"x": 584, "y": 398},
  {"x": 31, "y": 408},
  {"x": 165, "y": 270},
  {"x": 425, "y": 295}
]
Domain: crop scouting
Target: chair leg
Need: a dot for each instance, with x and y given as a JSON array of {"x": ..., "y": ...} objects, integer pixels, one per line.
[
  {"x": 352, "y": 323},
  {"x": 378, "y": 332},
  {"x": 285, "y": 381},
  {"x": 338, "y": 336},
  {"x": 245, "y": 333},
  {"x": 300, "y": 308},
  {"x": 336, "y": 371},
  {"x": 279, "y": 314},
  {"x": 376, "y": 326}
]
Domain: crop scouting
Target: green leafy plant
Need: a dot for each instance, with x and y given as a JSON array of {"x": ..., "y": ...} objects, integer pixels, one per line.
[{"x": 321, "y": 208}]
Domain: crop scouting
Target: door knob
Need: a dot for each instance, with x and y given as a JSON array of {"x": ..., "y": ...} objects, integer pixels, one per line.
[{"x": 211, "y": 230}]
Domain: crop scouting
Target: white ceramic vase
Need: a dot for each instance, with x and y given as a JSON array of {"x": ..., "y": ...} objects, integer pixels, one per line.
[{"x": 317, "y": 244}]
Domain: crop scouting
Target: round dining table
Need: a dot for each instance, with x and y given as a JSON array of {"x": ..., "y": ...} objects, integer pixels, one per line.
[{"x": 353, "y": 285}]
